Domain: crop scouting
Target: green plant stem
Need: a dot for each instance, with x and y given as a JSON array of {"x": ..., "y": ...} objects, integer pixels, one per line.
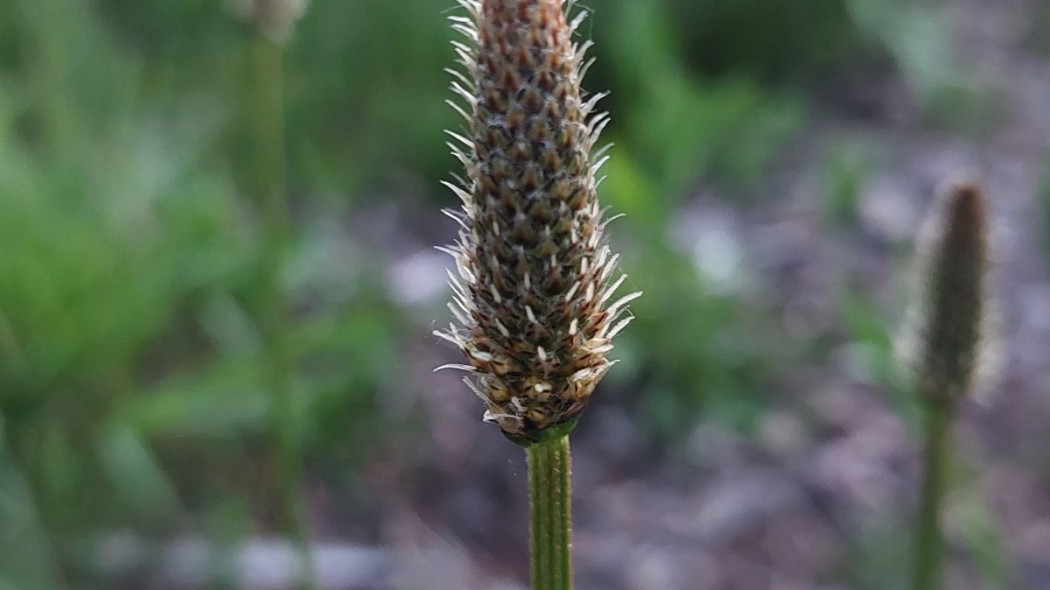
[
  {"x": 268, "y": 182},
  {"x": 550, "y": 505},
  {"x": 928, "y": 551}
]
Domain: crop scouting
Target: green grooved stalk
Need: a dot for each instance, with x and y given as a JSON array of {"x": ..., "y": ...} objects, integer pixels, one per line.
[
  {"x": 550, "y": 503},
  {"x": 929, "y": 540}
]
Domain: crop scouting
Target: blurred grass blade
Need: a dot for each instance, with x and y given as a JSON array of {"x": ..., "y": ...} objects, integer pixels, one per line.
[
  {"x": 26, "y": 562},
  {"x": 221, "y": 402},
  {"x": 134, "y": 474}
]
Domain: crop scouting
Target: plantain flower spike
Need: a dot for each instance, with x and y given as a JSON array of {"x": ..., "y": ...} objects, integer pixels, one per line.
[
  {"x": 534, "y": 295},
  {"x": 948, "y": 332}
]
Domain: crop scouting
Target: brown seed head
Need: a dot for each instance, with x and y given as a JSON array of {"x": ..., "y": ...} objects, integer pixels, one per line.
[
  {"x": 533, "y": 295},
  {"x": 948, "y": 330}
]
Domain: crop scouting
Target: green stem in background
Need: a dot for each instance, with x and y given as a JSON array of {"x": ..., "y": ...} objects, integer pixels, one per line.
[
  {"x": 928, "y": 551},
  {"x": 550, "y": 506},
  {"x": 267, "y": 179},
  {"x": 47, "y": 49}
]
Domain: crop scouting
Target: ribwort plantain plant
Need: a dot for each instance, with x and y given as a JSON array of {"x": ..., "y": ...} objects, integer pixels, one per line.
[
  {"x": 534, "y": 289},
  {"x": 946, "y": 345}
]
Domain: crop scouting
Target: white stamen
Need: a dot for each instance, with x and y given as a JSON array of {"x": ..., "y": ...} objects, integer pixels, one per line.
[
  {"x": 459, "y": 315},
  {"x": 572, "y": 291},
  {"x": 502, "y": 329},
  {"x": 456, "y": 367},
  {"x": 612, "y": 309},
  {"x": 619, "y": 327},
  {"x": 612, "y": 289},
  {"x": 448, "y": 337},
  {"x": 474, "y": 387}
]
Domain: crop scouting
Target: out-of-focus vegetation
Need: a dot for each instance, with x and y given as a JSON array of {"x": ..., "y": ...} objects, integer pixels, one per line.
[{"x": 133, "y": 376}]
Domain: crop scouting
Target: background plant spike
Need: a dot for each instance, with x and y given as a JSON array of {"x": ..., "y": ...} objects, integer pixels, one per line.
[
  {"x": 947, "y": 348},
  {"x": 534, "y": 295},
  {"x": 948, "y": 334}
]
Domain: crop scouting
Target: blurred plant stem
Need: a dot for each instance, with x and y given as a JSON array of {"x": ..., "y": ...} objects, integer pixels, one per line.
[
  {"x": 28, "y": 558},
  {"x": 929, "y": 539},
  {"x": 268, "y": 180},
  {"x": 550, "y": 507},
  {"x": 46, "y": 50}
]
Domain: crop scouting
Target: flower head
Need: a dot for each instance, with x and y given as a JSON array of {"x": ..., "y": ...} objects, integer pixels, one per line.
[
  {"x": 534, "y": 294},
  {"x": 947, "y": 332}
]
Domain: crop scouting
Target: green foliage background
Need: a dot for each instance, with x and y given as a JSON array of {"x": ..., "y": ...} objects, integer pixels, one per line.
[{"x": 132, "y": 372}]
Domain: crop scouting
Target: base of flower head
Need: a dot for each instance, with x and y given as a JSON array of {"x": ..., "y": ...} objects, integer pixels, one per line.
[{"x": 537, "y": 435}]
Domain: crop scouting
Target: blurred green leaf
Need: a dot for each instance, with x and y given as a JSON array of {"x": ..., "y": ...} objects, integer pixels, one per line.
[
  {"x": 134, "y": 474},
  {"x": 870, "y": 330},
  {"x": 768, "y": 41},
  {"x": 224, "y": 401},
  {"x": 627, "y": 190},
  {"x": 847, "y": 166},
  {"x": 995, "y": 566},
  {"x": 25, "y": 556},
  {"x": 918, "y": 35},
  {"x": 683, "y": 128}
]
